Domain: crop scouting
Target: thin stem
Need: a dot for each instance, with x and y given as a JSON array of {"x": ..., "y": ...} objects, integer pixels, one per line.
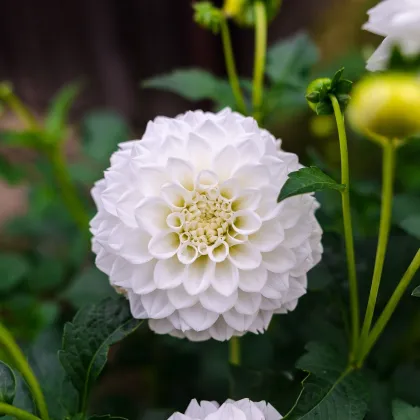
[
  {"x": 348, "y": 230},
  {"x": 388, "y": 169},
  {"x": 15, "y": 353},
  {"x": 67, "y": 188},
  {"x": 259, "y": 59},
  {"x": 234, "y": 351},
  {"x": 231, "y": 67},
  {"x": 390, "y": 307},
  {"x": 17, "y": 106},
  {"x": 10, "y": 410}
]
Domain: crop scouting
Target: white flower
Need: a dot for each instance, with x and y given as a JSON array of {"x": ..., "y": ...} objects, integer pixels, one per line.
[
  {"x": 230, "y": 410},
  {"x": 189, "y": 228},
  {"x": 399, "y": 22}
]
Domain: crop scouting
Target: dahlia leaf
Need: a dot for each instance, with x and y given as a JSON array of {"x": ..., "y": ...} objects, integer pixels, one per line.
[
  {"x": 416, "y": 292},
  {"x": 28, "y": 138},
  {"x": 56, "y": 121},
  {"x": 308, "y": 180},
  {"x": 403, "y": 411},
  {"x": 87, "y": 339},
  {"x": 193, "y": 84},
  {"x": 7, "y": 384},
  {"x": 292, "y": 59},
  {"x": 412, "y": 225},
  {"x": 330, "y": 390},
  {"x": 11, "y": 173},
  {"x": 13, "y": 268}
]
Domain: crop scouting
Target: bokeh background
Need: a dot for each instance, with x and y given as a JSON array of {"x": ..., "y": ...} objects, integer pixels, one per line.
[{"x": 112, "y": 46}]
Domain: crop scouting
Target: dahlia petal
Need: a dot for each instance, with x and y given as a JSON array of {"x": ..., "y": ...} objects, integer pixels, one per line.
[
  {"x": 237, "y": 321},
  {"x": 247, "y": 199},
  {"x": 180, "y": 298},
  {"x": 225, "y": 162},
  {"x": 221, "y": 331},
  {"x": 246, "y": 222},
  {"x": 245, "y": 256},
  {"x": 161, "y": 326},
  {"x": 206, "y": 180},
  {"x": 224, "y": 278},
  {"x": 199, "y": 152},
  {"x": 198, "y": 318},
  {"x": 151, "y": 215},
  {"x": 228, "y": 412},
  {"x": 280, "y": 260},
  {"x": 182, "y": 172},
  {"x": 136, "y": 306},
  {"x": 252, "y": 176},
  {"x": 168, "y": 273},
  {"x": 175, "y": 195},
  {"x": 198, "y": 275},
  {"x": 164, "y": 245},
  {"x": 248, "y": 303},
  {"x": 218, "y": 252},
  {"x": 151, "y": 180},
  {"x": 269, "y": 236},
  {"x": 252, "y": 280},
  {"x": 214, "y": 301},
  {"x": 157, "y": 304}
]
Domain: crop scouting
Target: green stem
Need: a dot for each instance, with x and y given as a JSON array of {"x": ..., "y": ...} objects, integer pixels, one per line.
[
  {"x": 15, "y": 353},
  {"x": 17, "y": 106},
  {"x": 390, "y": 307},
  {"x": 260, "y": 54},
  {"x": 234, "y": 351},
  {"x": 67, "y": 188},
  {"x": 348, "y": 230},
  {"x": 388, "y": 169},
  {"x": 231, "y": 67},
  {"x": 10, "y": 410}
]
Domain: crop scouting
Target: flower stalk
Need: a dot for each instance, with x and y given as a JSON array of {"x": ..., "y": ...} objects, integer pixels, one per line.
[
  {"x": 15, "y": 353},
  {"x": 348, "y": 230},
  {"x": 388, "y": 168},
  {"x": 234, "y": 351},
  {"x": 260, "y": 58},
  {"x": 231, "y": 66},
  {"x": 10, "y": 410},
  {"x": 390, "y": 307}
]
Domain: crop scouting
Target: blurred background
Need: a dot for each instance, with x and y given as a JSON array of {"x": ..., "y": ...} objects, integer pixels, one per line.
[{"x": 112, "y": 46}]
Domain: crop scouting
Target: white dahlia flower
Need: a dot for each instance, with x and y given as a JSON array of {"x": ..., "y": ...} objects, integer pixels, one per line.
[
  {"x": 188, "y": 226},
  {"x": 399, "y": 22},
  {"x": 230, "y": 410}
]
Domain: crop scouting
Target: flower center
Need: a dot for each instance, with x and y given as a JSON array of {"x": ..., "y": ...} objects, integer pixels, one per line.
[{"x": 207, "y": 219}]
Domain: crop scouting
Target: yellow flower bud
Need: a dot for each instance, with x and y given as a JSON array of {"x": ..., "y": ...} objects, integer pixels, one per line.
[
  {"x": 387, "y": 105},
  {"x": 232, "y": 8}
]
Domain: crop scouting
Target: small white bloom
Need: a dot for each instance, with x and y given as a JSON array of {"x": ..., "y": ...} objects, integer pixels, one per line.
[
  {"x": 399, "y": 22},
  {"x": 230, "y": 410},
  {"x": 189, "y": 226}
]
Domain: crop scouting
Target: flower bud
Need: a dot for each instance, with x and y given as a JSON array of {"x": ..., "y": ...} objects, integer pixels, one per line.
[
  {"x": 387, "y": 105},
  {"x": 207, "y": 15},
  {"x": 233, "y": 8},
  {"x": 245, "y": 15}
]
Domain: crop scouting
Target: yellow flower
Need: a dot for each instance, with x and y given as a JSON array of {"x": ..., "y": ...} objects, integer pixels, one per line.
[{"x": 386, "y": 105}]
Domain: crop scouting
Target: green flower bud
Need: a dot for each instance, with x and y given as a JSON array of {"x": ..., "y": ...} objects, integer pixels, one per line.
[
  {"x": 387, "y": 105},
  {"x": 319, "y": 91},
  {"x": 207, "y": 16},
  {"x": 246, "y": 15}
]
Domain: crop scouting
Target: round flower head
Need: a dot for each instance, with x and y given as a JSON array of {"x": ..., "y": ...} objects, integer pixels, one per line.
[
  {"x": 230, "y": 410},
  {"x": 189, "y": 228},
  {"x": 399, "y": 22}
]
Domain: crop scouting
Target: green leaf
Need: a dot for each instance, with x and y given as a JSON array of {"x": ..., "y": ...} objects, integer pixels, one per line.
[
  {"x": 343, "y": 87},
  {"x": 403, "y": 411},
  {"x": 207, "y": 15},
  {"x": 7, "y": 384},
  {"x": 47, "y": 274},
  {"x": 11, "y": 173},
  {"x": 416, "y": 292},
  {"x": 292, "y": 59},
  {"x": 404, "y": 206},
  {"x": 89, "y": 286},
  {"x": 328, "y": 393},
  {"x": 13, "y": 267},
  {"x": 102, "y": 131},
  {"x": 324, "y": 108},
  {"x": 31, "y": 139},
  {"x": 308, "y": 180},
  {"x": 56, "y": 121},
  {"x": 86, "y": 341},
  {"x": 412, "y": 225},
  {"x": 336, "y": 78},
  {"x": 105, "y": 417},
  {"x": 193, "y": 84}
]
